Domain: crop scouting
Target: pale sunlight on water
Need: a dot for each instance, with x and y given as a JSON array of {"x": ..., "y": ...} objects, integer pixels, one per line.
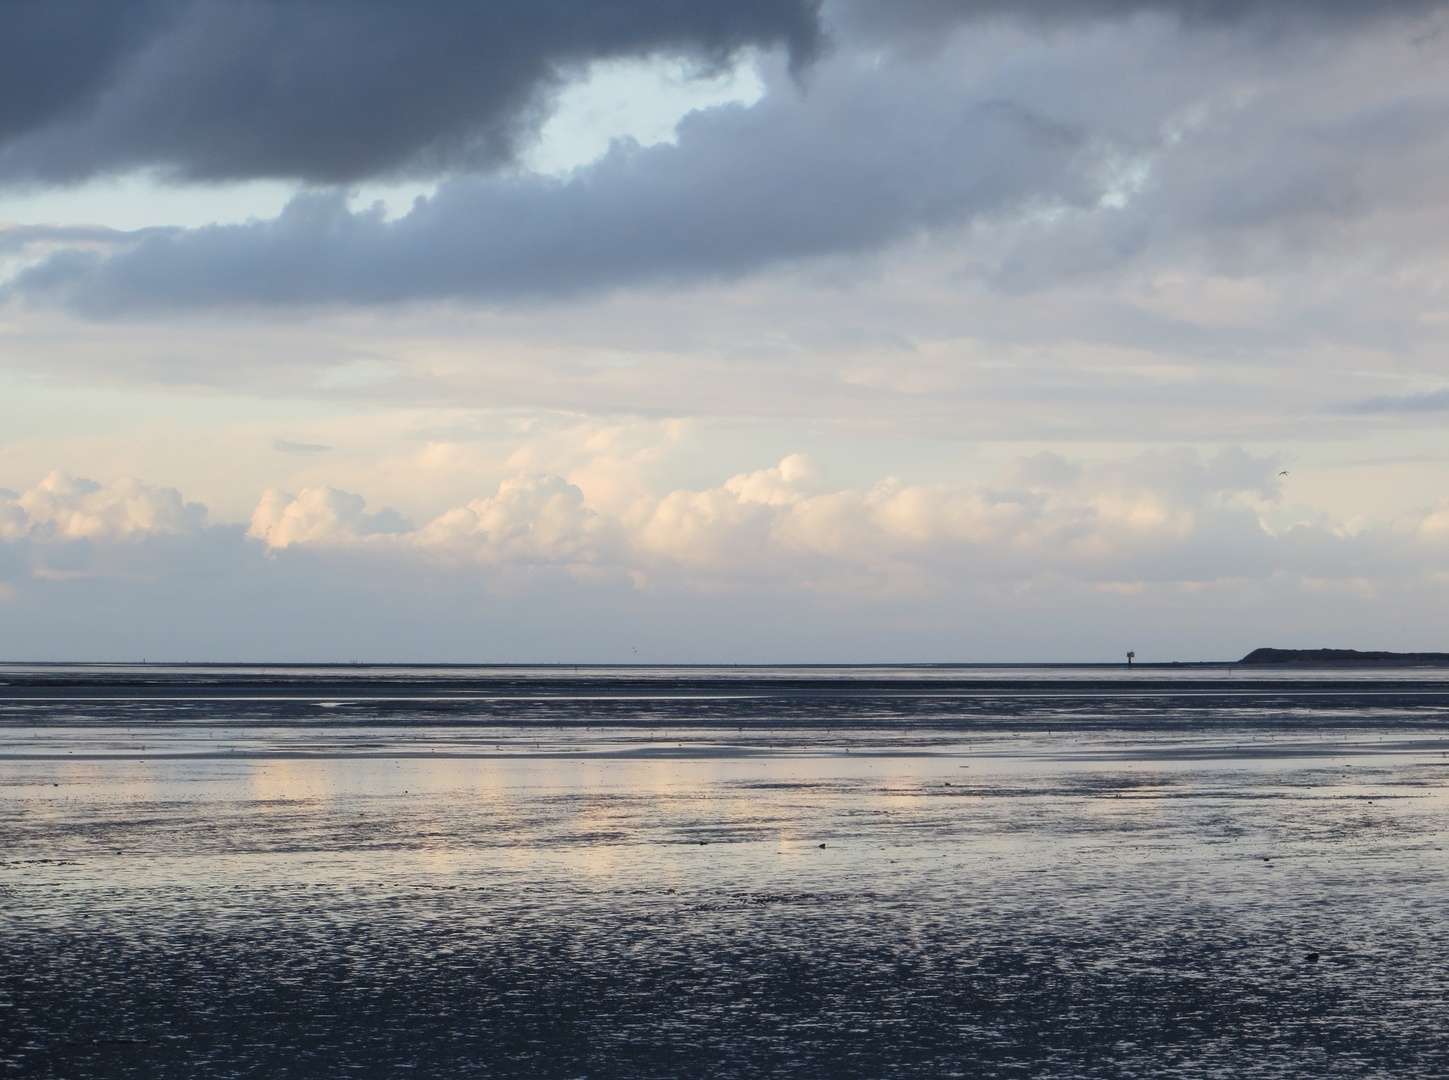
[{"x": 722, "y": 872}]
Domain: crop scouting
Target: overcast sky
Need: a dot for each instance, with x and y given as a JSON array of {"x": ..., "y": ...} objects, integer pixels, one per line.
[{"x": 757, "y": 330}]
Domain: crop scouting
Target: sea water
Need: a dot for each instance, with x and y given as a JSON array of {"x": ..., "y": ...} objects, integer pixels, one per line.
[{"x": 723, "y": 872}]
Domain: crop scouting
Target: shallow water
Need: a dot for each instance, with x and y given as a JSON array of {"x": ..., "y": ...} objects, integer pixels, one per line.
[{"x": 722, "y": 872}]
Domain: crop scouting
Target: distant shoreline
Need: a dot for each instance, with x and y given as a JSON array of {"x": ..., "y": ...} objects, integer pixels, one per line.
[
  {"x": 1264, "y": 657},
  {"x": 1344, "y": 658}
]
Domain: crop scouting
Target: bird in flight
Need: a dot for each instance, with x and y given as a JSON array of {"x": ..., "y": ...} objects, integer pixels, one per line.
[{"x": 1283, "y": 473}]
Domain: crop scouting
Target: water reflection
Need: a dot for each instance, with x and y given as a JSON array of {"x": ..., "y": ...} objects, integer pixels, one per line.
[{"x": 1015, "y": 884}]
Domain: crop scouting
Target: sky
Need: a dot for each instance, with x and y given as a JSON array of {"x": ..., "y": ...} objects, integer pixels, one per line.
[{"x": 751, "y": 331}]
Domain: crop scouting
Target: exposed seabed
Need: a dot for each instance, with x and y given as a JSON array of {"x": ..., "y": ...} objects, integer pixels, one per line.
[{"x": 722, "y": 872}]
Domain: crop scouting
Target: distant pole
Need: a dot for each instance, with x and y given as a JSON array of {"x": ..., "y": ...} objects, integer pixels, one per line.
[{"x": 1130, "y": 655}]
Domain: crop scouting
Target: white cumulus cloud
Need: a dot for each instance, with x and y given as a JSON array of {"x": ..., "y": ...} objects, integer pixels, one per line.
[
  {"x": 65, "y": 507},
  {"x": 1055, "y": 558},
  {"x": 533, "y": 518},
  {"x": 320, "y": 515},
  {"x": 1161, "y": 516}
]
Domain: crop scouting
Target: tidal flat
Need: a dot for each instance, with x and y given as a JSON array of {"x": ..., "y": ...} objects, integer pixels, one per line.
[{"x": 723, "y": 872}]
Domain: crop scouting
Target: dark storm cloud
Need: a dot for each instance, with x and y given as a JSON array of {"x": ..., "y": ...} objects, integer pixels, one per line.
[
  {"x": 321, "y": 90},
  {"x": 858, "y": 165},
  {"x": 332, "y": 91},
  {"x": 914, "y": 16},
  {"x": 1138, "y": 133}
]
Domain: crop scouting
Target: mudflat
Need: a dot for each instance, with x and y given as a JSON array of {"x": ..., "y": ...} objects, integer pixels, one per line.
[{"x": 701, "y": 872}]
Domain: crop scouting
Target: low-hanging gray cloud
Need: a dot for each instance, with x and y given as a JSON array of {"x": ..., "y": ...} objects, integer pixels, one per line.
[
  {"x": 1091, "y": 148},
  {"x": 855, "y": 166},
  {"x": 322, "y": 90},
  {"x": 914, "y": 17},
  {"x": 335, "y": 91}
]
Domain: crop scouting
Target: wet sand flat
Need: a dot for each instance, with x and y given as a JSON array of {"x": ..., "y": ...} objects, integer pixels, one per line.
[{"x": 852, "y": 872}]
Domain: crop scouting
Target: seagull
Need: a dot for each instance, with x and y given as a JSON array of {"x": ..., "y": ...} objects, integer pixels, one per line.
[{"x": 1283, "y": 473}]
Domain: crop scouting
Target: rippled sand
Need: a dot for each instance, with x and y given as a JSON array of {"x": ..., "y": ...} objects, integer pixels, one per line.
[{"x": 719, "y": 873}]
